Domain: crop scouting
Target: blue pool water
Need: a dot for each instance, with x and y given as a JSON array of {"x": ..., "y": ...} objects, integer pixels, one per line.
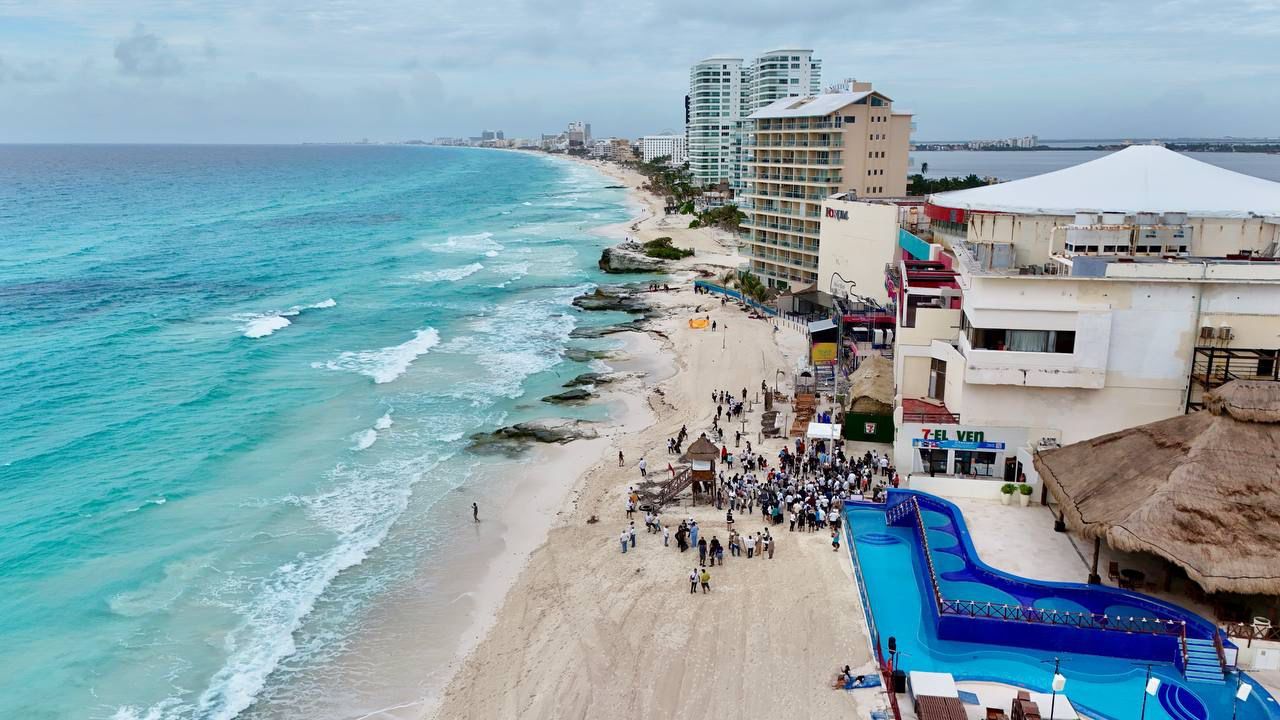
[
  {"x": 1104, "y": 687},
  {"x": 236, "y": 386}
]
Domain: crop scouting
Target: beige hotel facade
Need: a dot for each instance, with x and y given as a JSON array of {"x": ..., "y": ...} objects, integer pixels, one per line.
[{"x": 803, "y": 150}]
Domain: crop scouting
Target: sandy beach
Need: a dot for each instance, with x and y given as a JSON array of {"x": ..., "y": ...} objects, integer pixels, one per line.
[{"x": 587, "y": 632}]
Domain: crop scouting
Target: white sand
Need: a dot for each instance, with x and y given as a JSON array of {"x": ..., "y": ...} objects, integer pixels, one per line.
[{"x": 587, "y": 632}]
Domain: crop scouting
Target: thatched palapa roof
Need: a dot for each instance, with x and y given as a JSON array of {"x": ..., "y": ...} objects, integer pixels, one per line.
[
  {"x": 701, "y": 449},
  {"x": 1200, "y": 490},
  {"x": 871, "y": 386}
]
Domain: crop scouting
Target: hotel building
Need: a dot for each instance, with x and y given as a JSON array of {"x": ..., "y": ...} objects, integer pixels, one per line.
[
  {"x": 674, "y": 147},
  {"x": 1062, "y": 307},
  {"x": 800, "y": 152},
  {"x": 724, "y": 91}
]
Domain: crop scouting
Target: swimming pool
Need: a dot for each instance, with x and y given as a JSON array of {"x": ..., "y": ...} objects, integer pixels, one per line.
[{"x": 1107, "y": 683}]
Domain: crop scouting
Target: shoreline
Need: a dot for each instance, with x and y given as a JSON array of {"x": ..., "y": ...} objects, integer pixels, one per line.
[
  {"x": 549, "y": 482},
  {"x": 586, "y": 631}
]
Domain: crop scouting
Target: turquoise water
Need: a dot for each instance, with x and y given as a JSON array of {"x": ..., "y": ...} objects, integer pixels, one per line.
[
  {"x": 236, "y": 385},
  {"x": 1105, "y": 687}
]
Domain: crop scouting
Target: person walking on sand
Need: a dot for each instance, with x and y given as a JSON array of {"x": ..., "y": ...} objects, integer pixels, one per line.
[
  {"x": 632, "y": 532},
  {"x": 717, "y": 551},
  {"x": 631, "y": 508},
  {"x": 693, "y": 533},
  {"x": 835, "y": 541},
  {"x": 475, "y": 512},
  {"x": 693, "y": 581},
  {"x": 622, "y": 538},
  {"x": 772, "y": 543},
  {"x": 666, "y": 536},
  {"x": 644, "y": 467},
  {"x": 705, "y": 578},
  {"x": 620, "y": 461},
  {"x": 702, "y": 552}
]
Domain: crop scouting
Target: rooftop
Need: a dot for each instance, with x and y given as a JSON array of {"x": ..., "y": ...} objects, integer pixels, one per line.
[
  {"x": 809, "y": 106},
  {"x": 1142, "y": 178}
]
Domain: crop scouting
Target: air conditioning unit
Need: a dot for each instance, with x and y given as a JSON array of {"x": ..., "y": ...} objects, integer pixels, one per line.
[
  {"x": 1224, "y": 332},
  {"x": 1206, "y": 333}
]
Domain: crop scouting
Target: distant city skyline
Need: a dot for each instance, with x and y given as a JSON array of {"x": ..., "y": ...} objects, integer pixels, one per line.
[{"x": 141, "y": 71}]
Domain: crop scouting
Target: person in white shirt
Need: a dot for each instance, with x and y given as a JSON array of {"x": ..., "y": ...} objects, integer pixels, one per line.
[
  {"x": 623, "y": 539},
  {"x": 751, "y": 545}
]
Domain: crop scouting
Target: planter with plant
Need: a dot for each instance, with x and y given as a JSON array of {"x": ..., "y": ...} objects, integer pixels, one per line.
[
  {"x": 1024, "y": 494},
  {"x": 1006, "y": 493}
]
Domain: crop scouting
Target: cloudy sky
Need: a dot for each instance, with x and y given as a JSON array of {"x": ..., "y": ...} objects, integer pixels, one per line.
[{"x": 288, "y": 71}]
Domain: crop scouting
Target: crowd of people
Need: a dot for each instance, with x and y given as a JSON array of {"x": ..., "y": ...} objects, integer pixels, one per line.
[{"x": 803, "y": 487}]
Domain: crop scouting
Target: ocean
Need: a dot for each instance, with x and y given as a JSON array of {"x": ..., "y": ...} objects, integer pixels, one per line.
[
  {"x": 237, "y": 385},
  {"x": 1015, "y": 165}
]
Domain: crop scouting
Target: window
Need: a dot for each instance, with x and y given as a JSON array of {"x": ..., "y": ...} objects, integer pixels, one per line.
[
  {"x": 851, "y": 119},
  {"x": 933, "y": 462},
  {"x": 1045, "y": 341},
  {"x": 974, "y": 462}
]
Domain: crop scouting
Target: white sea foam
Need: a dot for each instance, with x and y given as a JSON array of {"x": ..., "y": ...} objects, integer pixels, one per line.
[
  {"x": 448, "y": 274},
  {"x": 365, "y": 439},
  {"x": 383, "y": 422},
  {"x": 467, "y": 243},
  {"x": 491, "y": 253},
  {"x": 153, "y": 501},
  {"x": 264, "y": 325},
  {"x": 389, "y": 363}
]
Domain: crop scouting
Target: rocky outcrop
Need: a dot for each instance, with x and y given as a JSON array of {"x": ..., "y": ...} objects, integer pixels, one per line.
[
  {"x": 583, "y": 355},
  {"x": 629, "y": 258},
  {"x": 615, "y": 299},
  {"x": 515, "y": 438},
  {"x": 587, "y": 379},
  {"x": 601, "y": 331},
  {"x": 576, "y": 395}
]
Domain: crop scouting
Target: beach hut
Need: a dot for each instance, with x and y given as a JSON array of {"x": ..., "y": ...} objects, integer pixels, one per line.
[
  {"x": 701, "y": 457},
  {"x": 1201, "y": 490},
  {"x": 871, "y": 391}
]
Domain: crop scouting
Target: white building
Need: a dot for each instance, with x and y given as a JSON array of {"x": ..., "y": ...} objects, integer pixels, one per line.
[
  {"x": 675, "y": 147},
  {"x": 857, "y": 240},
  {"x": 996, "y": 357},
  {"x": 724, "y": 91}
]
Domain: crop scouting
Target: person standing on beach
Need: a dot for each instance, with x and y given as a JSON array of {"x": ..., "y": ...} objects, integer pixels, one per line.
[
  {"x": 693, "y": 533},
  {"x": 666, "y": 536},
  {"x": 772, "y": 543},
  {"x": 702, "y": 552},
  {"x": 644, "y": 467},
  {"x": 717, "y": 551},
  {"x": 693, "y": 581},
  {"x": 631, "y": 531},
  {"x": 475, "y": 512},
  {"x": 705, "y": 577},
  {"x": 620, "y": 461},
  {"x": 751, "y": 546},
  {"x": 623, "y": 539}
]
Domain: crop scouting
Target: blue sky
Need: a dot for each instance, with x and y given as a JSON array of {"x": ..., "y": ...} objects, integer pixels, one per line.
[{"x": 288, "y": 71}]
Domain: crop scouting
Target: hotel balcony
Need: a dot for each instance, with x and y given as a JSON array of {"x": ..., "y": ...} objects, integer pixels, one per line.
[
  {"x": 813, "y": 179},
  {"x": 762, "y": 224},
  {"x": 786, "y": 195},
  {"x": 766, "y": 143},
  {"x": 789, "y": 261},
  {"x": 1031, "y": 369},
  {"x": 818, "y": 162}
]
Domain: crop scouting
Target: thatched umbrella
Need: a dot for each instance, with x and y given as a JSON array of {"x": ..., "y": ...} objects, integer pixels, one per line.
[
  {"x": 1200, "y": 490},
  {"x": 871, "y": 386}
]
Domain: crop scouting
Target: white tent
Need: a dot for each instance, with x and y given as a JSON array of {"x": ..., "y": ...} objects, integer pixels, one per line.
[
  {"x": 823, "y": 431},
  {"x": 1141, "y": 178}
]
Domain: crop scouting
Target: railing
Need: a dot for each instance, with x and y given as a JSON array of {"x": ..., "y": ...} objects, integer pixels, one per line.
[
  {"x": 931, "y": 417},
  {"x": 1067, "y": 618},
  {"x": 676, "y": 485},
  {"x": 1246, "y": 631},
  {"x": 1217, "y": 645}
]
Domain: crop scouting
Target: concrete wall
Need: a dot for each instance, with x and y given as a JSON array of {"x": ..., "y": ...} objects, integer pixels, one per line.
[{"x": 857, "y": 240}]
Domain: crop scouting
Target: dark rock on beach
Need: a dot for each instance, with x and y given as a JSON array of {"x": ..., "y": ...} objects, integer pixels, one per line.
[
  {"x": 513, "y": 439},
  {"x": 586, "y": 355},
  {"x": 576, "y": 395},
  {"x": 598, "y": 332},
  {"x": 611, "y": 299}
]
